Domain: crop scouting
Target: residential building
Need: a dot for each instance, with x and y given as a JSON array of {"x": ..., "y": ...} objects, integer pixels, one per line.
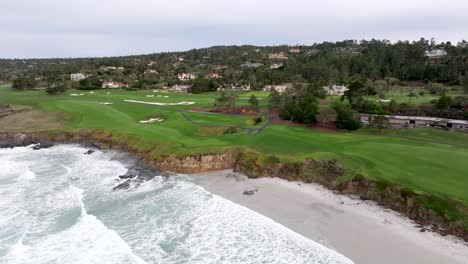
[
  {"x": 295, "y": 50},
  {"x": 151, "y": 71},
  {"x": 108, "y": 68},
  {"x": 276, "y": 65},
  {"x": 335, "y": 89},
  {"x": 278, "y": 88},
  {"x": 436, "y": 56},
  {"x": 180, "y": 88},
  {"x": 417, "y": 121},
  {"x": 251, "y": 65},
  {"x": 240, "y": 87},
  {"x": 76, "y": 77},
  {"x": 277, "y": 56},
  {"x": 186, "y": 76},
  {"x": 213, "y": 76},
  {"x": 436, "y": 53},
  {"x": 114, "y": 85}
]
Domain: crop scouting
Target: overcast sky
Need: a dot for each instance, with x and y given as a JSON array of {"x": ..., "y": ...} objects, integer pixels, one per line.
[{"x": 83, "y": 28}]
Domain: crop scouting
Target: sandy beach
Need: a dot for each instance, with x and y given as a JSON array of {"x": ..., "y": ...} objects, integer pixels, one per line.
[{"x": 362, "y": 231}]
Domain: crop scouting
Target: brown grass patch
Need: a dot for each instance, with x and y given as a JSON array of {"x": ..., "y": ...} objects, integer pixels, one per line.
[
  {"x": 30, "y": 120},
  {"x": 217, "y": 131}
]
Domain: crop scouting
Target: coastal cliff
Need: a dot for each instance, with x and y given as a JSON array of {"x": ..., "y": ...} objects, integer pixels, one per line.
[{"x": 440, "y": 214}]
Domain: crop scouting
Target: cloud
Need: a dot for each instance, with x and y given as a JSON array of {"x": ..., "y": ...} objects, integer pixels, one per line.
[{"x": 65, "y": 28}]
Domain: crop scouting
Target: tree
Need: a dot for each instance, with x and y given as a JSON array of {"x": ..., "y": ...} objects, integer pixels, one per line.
[
  {"x": 253, "y": 101},
  {"x": 444, "y": 101},
  {"x": 90, "y": 83},
  {"x": 345, "y": 118},
  {"x": 24, "y": 83},
  {"x": 464, "y": 83},
  {"x": 355, "y": 92},
  {"x": 201, "y": 85},
  {"x": 226, "y": 101},
  {"x": 410, "y": 95},
  {"x": 56, "y": 88},
  {"x": 274, "y": 99},
  {"x": 326, "y": 115}
]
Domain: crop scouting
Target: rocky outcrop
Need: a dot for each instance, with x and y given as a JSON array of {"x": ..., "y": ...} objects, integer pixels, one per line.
[{"x": 197, "y": 163}]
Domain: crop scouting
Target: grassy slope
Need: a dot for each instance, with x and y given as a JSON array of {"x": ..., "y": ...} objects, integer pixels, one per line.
[{"x": 422, "y": 166}]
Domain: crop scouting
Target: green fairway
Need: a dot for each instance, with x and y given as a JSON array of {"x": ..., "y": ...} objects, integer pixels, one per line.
[{"x": 412, "y": 163}]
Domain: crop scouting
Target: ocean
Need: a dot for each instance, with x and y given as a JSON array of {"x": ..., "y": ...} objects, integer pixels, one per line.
[{"x": 58, "y": 205}]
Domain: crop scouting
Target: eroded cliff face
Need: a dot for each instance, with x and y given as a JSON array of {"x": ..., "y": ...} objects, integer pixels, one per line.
[{"x": 197, "y": 163}]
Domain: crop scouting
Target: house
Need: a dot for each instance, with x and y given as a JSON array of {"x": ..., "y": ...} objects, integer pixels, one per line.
[
  {"x": 295, "y": 50},
  {"x": 235, "y": 87},
  {"x": 213, "y": 76},
  {"x": 436, "y": 53},
  {"x": 251, "y": 65},
  {"x": 151, "y": 71},
  {"x": 278, "y": 88},
  {"x": 276, "y": 65},
  {"x": 436, "y": 56},
  {"x": 417, "y": 121},
  {"x": 186, "y": 76},
  {"x": 76, "y": 77},
  {"x": 180, "y": 88},
  {"x": 277, "y": 56},
  {"x": 108, "y": 68},
  {"x": 335, "y": 89},
  {"x": 151, "y": 63},
  {"x": 114, "y": 85}
]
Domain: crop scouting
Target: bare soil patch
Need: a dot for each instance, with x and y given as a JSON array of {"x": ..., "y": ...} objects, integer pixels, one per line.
[{"x": 30, "y": 120}]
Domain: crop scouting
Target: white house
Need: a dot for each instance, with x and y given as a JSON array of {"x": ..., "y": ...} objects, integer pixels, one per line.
[
  {"x": 76, "y": 77},
  {"x": 186, "y": 76},
  {"x": 114, "y": 85},
  {"x": 278, "y": 88},
  {"x": 436, "y": 53},
  {"x": 335, "y": 89},
  {"x": 180, "y": 88}
]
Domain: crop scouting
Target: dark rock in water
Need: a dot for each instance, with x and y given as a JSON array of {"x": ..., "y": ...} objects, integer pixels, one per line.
[
  {"x": 6, "y": 146},
  {"x": 124, "y": 185},
  {"x": 42, "y": 146},
  {"x": 128, "y": 175},
  {"x": 137, "y": 174},
  {"x": 251, "y": 192},
  {"x": 89, "y": 152}
]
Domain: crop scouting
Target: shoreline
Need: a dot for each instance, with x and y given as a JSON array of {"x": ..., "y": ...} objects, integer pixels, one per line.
[
  {"x": 361, "y": 230},
  {"x": 257, "y": 165}
]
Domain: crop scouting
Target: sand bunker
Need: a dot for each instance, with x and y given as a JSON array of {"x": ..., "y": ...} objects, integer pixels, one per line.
[
  {"x": 149, "y": 95},
  {"x": 151, "y": 120},
  {"x": 105, "y": 103},
  {"x": 157, "y": 103},
  {"x": 76, "y": 94}
]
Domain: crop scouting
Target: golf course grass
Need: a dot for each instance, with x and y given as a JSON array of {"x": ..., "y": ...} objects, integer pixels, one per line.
[{"x": 403, "y": 157}]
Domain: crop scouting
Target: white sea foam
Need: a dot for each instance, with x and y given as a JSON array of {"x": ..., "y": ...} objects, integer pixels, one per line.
[{"x": 70, "y": 214}]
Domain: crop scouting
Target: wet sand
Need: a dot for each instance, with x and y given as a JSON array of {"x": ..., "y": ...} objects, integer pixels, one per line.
[{"x": 362, "y": 231}]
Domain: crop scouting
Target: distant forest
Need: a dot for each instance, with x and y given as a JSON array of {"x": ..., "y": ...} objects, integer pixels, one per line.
[{"x": 328, "y": 62}]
